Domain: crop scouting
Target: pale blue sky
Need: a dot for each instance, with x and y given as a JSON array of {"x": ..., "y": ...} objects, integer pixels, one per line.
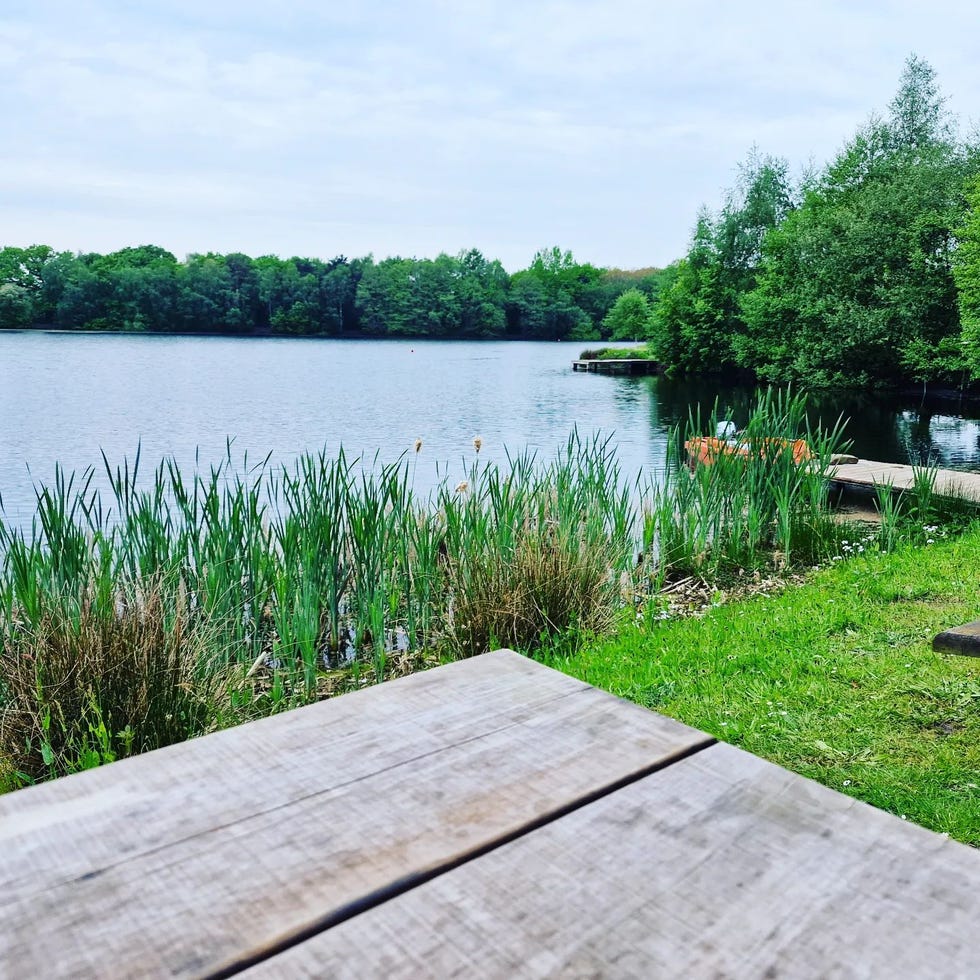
[{"x": 316, "y": 128}]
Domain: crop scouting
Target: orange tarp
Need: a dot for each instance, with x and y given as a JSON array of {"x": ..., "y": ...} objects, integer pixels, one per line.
[{"x": 705, "y": 449}]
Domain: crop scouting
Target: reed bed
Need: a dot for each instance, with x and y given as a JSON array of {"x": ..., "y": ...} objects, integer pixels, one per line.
[
  {"x": 113, "y": 606},
  {"x": 174, "y": 604}
]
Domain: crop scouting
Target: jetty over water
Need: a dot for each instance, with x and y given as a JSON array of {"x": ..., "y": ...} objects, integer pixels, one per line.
[
  {"x": 868, "y": 473},
  {"x": 489, "y": 818},
  {"x": 632, "y": 365}
]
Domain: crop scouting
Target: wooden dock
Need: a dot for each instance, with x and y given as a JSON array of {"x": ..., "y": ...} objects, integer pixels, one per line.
[
  {"x": 490, "y": 818},
  {"x": 869, "y": 474},
  {"x": 631, "y": 366}
]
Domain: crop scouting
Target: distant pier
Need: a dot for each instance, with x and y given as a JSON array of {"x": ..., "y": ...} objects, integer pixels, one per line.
[{"x": 633, "y": 365}]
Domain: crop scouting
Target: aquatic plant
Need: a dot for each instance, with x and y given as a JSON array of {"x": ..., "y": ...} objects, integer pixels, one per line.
[
  {"x": 87, "y": 683},
  {"x": 752, "y": 503},
  {"x": 284, "y": 572},
  {"x": 540, "y": 551},
  {"x": 173, "y": 603}
]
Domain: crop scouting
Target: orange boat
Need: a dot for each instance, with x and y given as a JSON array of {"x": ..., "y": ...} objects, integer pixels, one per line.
[{"x": 706, "y": 449}]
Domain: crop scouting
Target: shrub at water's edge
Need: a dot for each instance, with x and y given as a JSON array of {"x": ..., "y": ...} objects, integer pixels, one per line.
[
  {"x": 617, "y": 354},
  {"x": 83, "y": 687}
]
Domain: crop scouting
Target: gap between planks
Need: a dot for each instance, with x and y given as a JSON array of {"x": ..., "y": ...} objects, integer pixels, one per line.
[
  {"x": 405, "y": 884},
  {"x": 723, "y": 865}
]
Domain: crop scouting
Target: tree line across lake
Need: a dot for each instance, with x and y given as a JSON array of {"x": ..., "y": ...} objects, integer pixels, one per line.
[
  {"x": 864, "y": 272},
  {"x": 467, "y": 295}
]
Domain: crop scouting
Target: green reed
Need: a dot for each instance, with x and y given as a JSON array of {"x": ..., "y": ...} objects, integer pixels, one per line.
[
  {"x": 274, "y": 575},
  {"x": 322, "y": 561},
  {"x": 750, "y": 507},
  {"x": 537, "y": 550},
  {"x": 921, "y": 512}
]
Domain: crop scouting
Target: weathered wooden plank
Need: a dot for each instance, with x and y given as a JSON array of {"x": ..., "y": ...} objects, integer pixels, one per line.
[
  {"x": 721, "y": 865},
  {"x": 187, "y": 860},
  {"x": 869, "y": 473}
]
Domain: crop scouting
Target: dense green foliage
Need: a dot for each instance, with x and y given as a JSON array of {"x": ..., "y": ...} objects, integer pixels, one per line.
[
  {"x": 846, "y": 280},
  {"x": 468, "y": 295},
  {"x": 629, "y": 318},
  {"x": 966, "y": 271},
  {"x": 640, "y": 353},
  {"x": 699, "y": 320}
]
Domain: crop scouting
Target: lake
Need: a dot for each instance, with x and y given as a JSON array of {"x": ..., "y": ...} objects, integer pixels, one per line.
[{"x": 68, "y": 397}]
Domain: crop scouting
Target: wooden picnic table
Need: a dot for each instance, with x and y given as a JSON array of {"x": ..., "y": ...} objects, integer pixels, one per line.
[{"x": 490, "y": 818}]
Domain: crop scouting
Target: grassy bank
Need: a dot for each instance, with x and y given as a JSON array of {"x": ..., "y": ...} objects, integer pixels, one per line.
[{"x": 834, "y": 679}]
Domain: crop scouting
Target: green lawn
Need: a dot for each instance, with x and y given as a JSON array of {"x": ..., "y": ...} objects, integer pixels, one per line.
[{"x": 834, "y": 679}]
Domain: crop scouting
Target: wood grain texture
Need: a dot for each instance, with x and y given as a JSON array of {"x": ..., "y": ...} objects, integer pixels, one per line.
[
  {"x": 185, "y": 860},
  {"x": 721, "y": 865},
  {"x": 869, "y": 473}
]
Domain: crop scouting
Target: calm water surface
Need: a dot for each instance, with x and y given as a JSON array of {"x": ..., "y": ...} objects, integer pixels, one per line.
[{"x": 66, "y": 398}]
